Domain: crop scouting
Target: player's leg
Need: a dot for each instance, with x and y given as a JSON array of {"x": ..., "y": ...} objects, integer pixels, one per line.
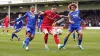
[
  {"x": 7, "y": 28},
  {"x": 54, "y": 33},
  {"x": 3, "y": 29},
  {"x": 45, "y": 31},
  {"x": 14, "y": 34},
  {"x": 29, "y": 36},
  {"x": 74, "y": 35},
  {"x": 38, "y": 28},
  {"x": 27, "y": 40},
  {"x": 79, "y": 30},
  {"x": 70, "y": 30}
]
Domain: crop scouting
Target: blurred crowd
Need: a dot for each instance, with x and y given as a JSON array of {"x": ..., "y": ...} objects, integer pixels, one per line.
[{"x": 90, "y": 17}]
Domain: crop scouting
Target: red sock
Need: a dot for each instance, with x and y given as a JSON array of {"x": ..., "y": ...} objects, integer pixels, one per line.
[
  {"x": 56, "y": 39},
  {"x": 46, "y": 38},
  {"x": 7, "y": 31},
  {"x": 2, "y": 30}
]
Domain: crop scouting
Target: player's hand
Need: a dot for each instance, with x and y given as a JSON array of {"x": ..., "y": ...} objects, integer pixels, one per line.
[
  {"x": 12, "y": 21},
  {"x": 41, "y": 13},
  {"x": 72, "y": 22},
  {"x": 62, "y": 16}
]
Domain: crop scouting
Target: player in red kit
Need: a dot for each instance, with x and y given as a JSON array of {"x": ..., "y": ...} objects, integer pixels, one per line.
[
  {"x": 6, "y": 24},
  {"x": 49, "y": 17}
]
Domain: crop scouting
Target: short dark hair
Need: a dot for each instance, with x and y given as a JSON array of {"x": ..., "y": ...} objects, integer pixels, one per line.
[
  {"x": 72, "y": 4},
  {"x": 32, "y": 6},
  {"x": 54, "y": 6}
]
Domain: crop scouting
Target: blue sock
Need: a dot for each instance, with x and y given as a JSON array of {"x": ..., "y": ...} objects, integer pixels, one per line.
[
  {"x": 12, "y": 36},
  {"x": 65, "y": 40},
  {"x": 27, "y": 41},
  {"x": 79, "y": 41},
  {"x": 73, "y": 35},
  {"x": 15, "y": 35}
]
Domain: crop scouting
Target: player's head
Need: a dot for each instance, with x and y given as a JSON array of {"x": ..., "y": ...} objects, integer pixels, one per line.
[
  {"x": 32, "y": 9},
  {"x": 7, "y": 15},
  {"x": 54, "y": 9},
  {"x": 72, "y": 6},
  {"x": 20, "y": 15}
]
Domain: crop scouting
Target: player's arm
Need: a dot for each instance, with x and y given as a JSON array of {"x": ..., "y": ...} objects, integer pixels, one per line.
[
  {"x": 43, "y": 13},
  {"x": 12, "y": 21},
  {"x": 23, "y": 17},
  {"x": 72, "y": 22},
  {"x": 61, "y": 16}
]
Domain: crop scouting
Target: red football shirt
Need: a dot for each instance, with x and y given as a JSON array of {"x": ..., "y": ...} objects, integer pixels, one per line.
[
  {"x": 49, "y": 18},
  {"x": 6, "y": 20}
]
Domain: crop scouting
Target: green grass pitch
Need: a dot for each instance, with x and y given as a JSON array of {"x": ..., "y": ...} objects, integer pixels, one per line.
[{"x": 91, "y": 44}]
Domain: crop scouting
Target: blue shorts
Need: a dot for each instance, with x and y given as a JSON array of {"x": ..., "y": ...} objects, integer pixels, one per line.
[
  {"x": 31, "y": 30},
  {"x": 17, "y": 30},
  {"x": 71, "y": 29}
]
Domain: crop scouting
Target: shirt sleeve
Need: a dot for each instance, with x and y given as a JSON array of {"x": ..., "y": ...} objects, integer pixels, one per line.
[
  {"x": 23, "y": 17},
  {"x": 57, "y": 16},
  {"x": 46, "y": 12},
  {"x": 69, "y": 13}
]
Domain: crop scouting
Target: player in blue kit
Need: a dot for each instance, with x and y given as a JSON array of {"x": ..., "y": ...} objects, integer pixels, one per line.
[
  {"x": 30, "y": 26},
  {"x": 74, "y": 19},
  {"x": 40, "y": 22},
  {"x": 17, "y": 27}
]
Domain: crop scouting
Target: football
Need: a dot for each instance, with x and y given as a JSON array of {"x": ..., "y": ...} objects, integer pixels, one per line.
[{"x": 59, "y": 31}]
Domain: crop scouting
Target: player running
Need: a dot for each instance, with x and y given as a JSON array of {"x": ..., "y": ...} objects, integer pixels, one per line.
[
  {"x": 17, "y": 27},
  {"x": 74, "y": 19},
  {"x": 6, "y": 24},
  {"x": 49, "y": 17},
  {"x": 30, "y": 26}
]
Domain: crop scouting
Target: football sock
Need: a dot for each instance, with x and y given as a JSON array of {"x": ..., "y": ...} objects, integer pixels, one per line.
[
  {"x": 73, "y": 35},
  {"x": 14, "y": 35},
  {"x": 65, "y": 40},
  {"x": 46, "y": 38},
  {"x": 7, "y": 31},
  {"x": 27, "y": 41},
  {"x": 2, "y": 30},
  {"x": 79, "y": 41},
  {"x": 56, "y": 39}
]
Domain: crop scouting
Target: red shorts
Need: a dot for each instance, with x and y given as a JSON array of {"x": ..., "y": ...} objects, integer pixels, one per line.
[
  {"x": 6, "y": 25},
  {"x": 49, "y": 28}
]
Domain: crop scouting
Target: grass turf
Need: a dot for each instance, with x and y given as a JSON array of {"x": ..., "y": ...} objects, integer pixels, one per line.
[{"x": 91, "y": 44}]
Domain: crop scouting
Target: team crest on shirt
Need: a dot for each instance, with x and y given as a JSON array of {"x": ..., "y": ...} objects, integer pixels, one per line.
[
  {"x": 32, "y": 16},
  {"x": 75, "y": 15},
  {"x": 18, "y": 22}
]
